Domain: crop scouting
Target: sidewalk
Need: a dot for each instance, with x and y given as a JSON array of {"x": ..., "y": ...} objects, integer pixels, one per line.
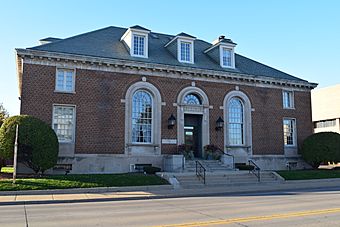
[{"x": 154, "y": 192}]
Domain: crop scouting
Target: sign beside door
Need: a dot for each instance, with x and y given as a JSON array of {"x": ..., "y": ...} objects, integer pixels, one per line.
[{"x": 169, "y": 141}]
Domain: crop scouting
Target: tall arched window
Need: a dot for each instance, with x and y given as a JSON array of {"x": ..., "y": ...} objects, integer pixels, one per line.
[
  {"x": 235, "y": 122},
  {"x": 141, "y": 117},
  {"x": 192, "y": 99}
]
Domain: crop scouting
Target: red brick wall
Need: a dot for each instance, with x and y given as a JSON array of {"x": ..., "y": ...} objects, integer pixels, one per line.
[{"x": 100, "y": 114}]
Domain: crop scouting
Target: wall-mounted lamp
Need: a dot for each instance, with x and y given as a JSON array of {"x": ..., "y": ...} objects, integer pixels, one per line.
[
  {"x": 219, "y": 124},
  {"x": 171, "y": 121}
]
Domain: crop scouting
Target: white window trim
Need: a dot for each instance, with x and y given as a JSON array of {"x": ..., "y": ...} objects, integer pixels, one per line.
[
  {"x": 179, "y": 40},
  {"x": 146, "y": 47},
  {"x": 73, "y": 80},
  {"x": 294, "y": 132},
  {"x": 292, "y": 100},
  {"x": 243, "y": 123},
  {"x": 74, "y": 124},
  {"x": 247, "y": 124},
  {"x": 152, "y": 119},
  {"x": 232, "y": 56},
  {"x": 143, "y": 148}
]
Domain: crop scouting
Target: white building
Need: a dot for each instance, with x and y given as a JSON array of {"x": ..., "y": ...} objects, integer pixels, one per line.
[{"x": 326, "y": 109}]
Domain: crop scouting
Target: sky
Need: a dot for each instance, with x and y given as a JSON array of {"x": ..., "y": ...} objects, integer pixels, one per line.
[{"x": 301, "y": 37}]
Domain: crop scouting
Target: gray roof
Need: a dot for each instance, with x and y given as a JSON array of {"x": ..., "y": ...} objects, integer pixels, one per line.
[
  {"x": 106, "y": 43},
  {"x": 50, "y": 39},
  {"x": 186, "y": 35},
  {"x": 139, "y": 27}
]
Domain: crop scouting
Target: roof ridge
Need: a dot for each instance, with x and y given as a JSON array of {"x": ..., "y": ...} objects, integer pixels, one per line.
[{"x": 77, "y": 36}]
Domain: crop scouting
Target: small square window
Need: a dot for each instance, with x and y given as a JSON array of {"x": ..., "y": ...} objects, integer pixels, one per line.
[
  {"x": 289, "y": 132},
  {"x": 288, "y": 99},
  {"x": 139, "y": 45},
  {"x": 65, "y": 80}
]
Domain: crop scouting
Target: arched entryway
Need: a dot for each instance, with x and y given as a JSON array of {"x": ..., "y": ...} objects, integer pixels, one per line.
[{"x": 193, "y": 123}]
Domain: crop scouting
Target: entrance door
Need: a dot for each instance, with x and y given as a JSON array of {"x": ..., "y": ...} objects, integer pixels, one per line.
[{"x": 193, "y": 134}]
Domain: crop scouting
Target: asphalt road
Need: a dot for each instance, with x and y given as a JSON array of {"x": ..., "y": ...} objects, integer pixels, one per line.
[{"x": 300, "y": 208}]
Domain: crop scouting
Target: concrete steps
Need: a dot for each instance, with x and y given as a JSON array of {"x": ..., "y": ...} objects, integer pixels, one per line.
[
  {"x": 220, "y": 179},
  {"x": 210, "y": 165}
]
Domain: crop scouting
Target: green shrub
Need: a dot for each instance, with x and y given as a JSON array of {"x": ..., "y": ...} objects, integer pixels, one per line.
[
  {"x": 211, "y": 151},
  {"x": 151, "y": 169},
  {"x": 242, "y": 166},
  {"x": 321, "y": 147},
  {"x": 37, "y": 142}
]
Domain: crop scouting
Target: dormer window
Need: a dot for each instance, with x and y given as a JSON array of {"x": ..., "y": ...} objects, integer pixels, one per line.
[
  {"x": 139, "y": 45},
  {"x": 226, "y": 57},
  {"x": 136, "y": 41},
  {"x": 181, "y": 47},
  {"x": 222, "y": 51},
  {"x": 185, "y": 55},
  {"x": 185, "y": 50}
]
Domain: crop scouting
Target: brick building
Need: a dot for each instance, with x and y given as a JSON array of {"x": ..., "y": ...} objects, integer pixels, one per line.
[{"x": 118, "y": 97}]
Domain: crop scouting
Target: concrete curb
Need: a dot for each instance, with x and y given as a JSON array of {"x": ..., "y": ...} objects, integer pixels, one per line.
[
  {"x": 89, "y": 190},
  {"x": 167, "y": 191}
]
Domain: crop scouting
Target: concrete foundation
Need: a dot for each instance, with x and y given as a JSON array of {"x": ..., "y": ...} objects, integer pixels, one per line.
[
  {"x": 173, "y": 163},
  {"x": 276, "y": 162}
]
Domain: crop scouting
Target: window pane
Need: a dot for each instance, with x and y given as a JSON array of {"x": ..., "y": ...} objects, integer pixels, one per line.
[
  {"x": 63, "y": 123},
  {"x": 138, "y": 45},
  {"x": 235, "y": 122},
  {"x": 288, "y": 131},
  {"x": 65, "y": 79},
  {"x": 141, "y": 117},
  {"x": 288, "y": 99},
  {"x": 185, "y": 51},
  {"x": 192, "y": 99},
  {"x": 226, "y": 57}
]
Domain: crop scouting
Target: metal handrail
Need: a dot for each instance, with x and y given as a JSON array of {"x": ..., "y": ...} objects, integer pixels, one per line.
[
  {"x": 256, "y": 170},
  {"x": 199, "y": 169},
  {"x": 230, "y": 155}
]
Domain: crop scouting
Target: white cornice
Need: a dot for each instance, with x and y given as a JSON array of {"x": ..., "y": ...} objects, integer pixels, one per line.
[{"x": 128, "y": 66}]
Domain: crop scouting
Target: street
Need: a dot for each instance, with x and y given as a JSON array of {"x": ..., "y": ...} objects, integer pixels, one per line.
[{"x": 298, "y": 208}]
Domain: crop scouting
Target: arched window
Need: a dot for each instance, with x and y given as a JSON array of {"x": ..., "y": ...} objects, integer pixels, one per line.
[
  {"x": 192, "y": 99},
  {"x": 141, "y": 117},
  {"x": 235, "y": 122}
]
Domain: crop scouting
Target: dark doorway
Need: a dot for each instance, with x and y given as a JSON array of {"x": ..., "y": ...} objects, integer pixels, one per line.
[{"x": 193, "y": 134}]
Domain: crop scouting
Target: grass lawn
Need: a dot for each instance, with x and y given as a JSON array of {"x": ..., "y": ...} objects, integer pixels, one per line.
[
  {"x": 309, "y": 174},
  {"x": 81, "y": 181}
]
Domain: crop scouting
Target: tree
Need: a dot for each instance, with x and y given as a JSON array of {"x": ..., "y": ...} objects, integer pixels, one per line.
[
  {"x": 3, "y": 114},
  {"x": 321, "y": 147},
  {"x": 38, "y": 143}
]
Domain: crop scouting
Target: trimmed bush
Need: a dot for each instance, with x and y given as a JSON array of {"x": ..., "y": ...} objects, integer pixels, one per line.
[
  {"x": 321, "y": 147},
  {"x": 212, "y": 151},
  {"x": 38, "y": 143},
  {"x": 151, "y": 169},
  {"x": 242, "y": 166}
]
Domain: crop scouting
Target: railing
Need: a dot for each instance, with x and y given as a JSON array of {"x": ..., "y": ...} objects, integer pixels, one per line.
[
  {"x": 256, "y": 170},
  {"x": 200, "y": 171},
  {"x": 230, "y": 155}
]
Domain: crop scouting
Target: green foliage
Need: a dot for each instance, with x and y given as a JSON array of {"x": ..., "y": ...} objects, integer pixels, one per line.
[
  {"x": 321, "y": 147},
  {"x": 151, "y": 169},
  {"x": 211, "y": 151},
  {"x": 309, "y": 174},
  {"x": 3, "y": 114},
  {"x": 38, "y": 144},
  {"x": 242, "y": 166}
]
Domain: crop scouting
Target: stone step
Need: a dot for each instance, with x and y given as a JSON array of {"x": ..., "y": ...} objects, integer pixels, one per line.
[{"x": 190, "y": 180}]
